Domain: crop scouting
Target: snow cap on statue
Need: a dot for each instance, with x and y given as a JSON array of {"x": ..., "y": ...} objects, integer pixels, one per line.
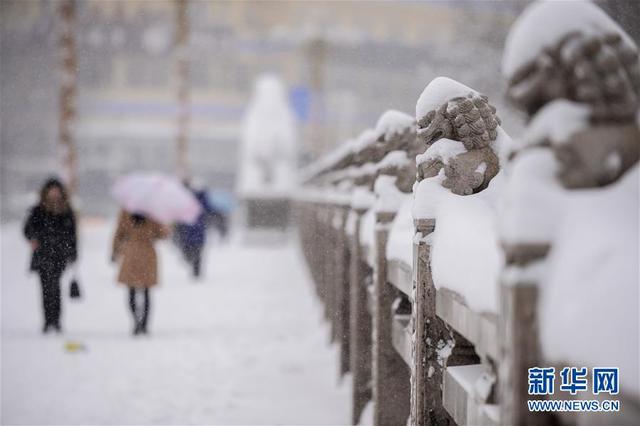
[
  {"x": 574, "y": 51},
  {"x": 439, "y": 91}
]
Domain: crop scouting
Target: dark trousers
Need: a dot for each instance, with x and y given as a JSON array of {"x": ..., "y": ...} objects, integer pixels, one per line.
[
  {"x": 193, "y": 254},
  {"x": 140, "y": 313},
  {"x": 51, "y": 303}
]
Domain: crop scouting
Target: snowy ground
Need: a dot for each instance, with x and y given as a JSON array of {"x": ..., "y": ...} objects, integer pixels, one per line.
[{"x": 246, "y": 345}]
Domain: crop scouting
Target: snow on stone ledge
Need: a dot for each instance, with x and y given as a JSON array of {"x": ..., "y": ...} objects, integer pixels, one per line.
[
  {"x": 393, "y": 122},
  {"x": 400, "y": 241},
  {"x": 544, "y": 23},
  {"x": 340, "y": 195},
  {"x": 439, "y": 92},
  {"x": 589, "y": 299},
  {"x": 367, "y": 169},
  {"x": 362, "y": 198},
  {"x": 367, "y": 229},
  {"x": 366, "y": 138},
  {"x": 350, "y": 225},
  {"x": 389, "y": 197},
  {"x": 394, "y": 159},
  {"x": 532, "y": 186},
  {"x": 327, "y": 161},
  {"x": 466, "y": 255}
]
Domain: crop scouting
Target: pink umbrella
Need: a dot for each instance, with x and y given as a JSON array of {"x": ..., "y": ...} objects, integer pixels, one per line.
[{"x": 159, "y": 196}]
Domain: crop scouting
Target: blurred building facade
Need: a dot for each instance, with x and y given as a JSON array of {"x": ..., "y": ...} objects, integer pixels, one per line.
[{"x": 344, "y": 62}]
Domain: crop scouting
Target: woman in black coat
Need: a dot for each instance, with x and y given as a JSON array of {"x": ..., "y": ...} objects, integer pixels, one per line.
[{"x": 51, "y": 231}]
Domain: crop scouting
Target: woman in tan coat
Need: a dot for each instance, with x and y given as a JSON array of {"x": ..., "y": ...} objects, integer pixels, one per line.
[{"x": 133, "y": 243}]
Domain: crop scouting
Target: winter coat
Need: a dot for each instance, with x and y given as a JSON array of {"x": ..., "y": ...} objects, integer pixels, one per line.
[
  {"x": 56, "y": 237},
  {"x": 194, "y": 235},
  {"x": 133, "y": 243}
]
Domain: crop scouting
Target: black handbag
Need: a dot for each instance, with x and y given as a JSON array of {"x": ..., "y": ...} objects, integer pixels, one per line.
[{"x": 74, "y": 289}]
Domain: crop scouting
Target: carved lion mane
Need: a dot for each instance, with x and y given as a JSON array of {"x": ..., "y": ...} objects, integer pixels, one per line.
[
  {"x": 471, "y": 120},
  {"x": 601, "y": 71}
]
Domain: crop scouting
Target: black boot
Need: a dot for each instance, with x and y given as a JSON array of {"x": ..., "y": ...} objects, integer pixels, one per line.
[
  {"x": 145, "y": 312},
  {"x": 196, "y": 265},
  {"x": 137, "y": 329}
]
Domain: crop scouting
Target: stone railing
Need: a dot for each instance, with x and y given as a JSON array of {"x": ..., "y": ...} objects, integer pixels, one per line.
[{"x": 447, "y": 255}]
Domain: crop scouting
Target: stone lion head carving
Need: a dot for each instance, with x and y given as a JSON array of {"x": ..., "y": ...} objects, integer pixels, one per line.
[
  {"x": 472, "y": 121},
  {"x": 593, "y": 64},
  {"x": 601, "y": 71}
]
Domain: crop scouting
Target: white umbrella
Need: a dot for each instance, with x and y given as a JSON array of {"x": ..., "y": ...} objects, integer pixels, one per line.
[{"x": 157, "y": 195}]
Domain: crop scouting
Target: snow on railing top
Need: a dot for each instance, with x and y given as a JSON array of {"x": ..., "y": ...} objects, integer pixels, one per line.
[
  {"x": 466, "y": 234},
  {"x": 328, "y": 161},
  {"x": 393, "y": 122},
  {"x": 400, "y": 243},
  {"x": 365, "y": 139},
  {"x": 370, "y": 145},
  {"x": 394, "y": 159},
  {"x": 594, "y": 262},
  {"x": 362, "y": 198},
  {"x": 389, "y": 197}
]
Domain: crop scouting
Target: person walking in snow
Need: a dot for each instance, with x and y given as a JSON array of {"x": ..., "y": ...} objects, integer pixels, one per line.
[
  {"x": 133, "y": 245},
  {"x": 50, "y": 229},
  {"x": 191, "y": 238}
]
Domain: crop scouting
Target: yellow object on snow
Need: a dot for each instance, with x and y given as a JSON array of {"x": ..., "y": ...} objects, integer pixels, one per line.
[{"x": 73, "y": 347}]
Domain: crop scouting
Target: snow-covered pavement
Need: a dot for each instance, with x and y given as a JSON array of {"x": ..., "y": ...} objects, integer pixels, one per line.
[{"x": 246, "y": 345}]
